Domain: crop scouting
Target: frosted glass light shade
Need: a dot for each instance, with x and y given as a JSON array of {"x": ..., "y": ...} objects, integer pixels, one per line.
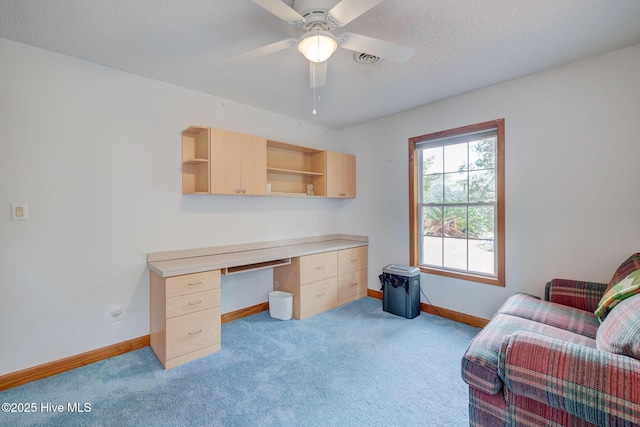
[{"x": 317, "y": 46}]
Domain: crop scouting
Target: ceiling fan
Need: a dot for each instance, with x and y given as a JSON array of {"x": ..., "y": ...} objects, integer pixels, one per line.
[{"x": 317, "y": 43}]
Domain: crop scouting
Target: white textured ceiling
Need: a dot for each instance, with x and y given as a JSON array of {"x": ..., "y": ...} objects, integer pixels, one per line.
[{"x": 460, "y": 45}]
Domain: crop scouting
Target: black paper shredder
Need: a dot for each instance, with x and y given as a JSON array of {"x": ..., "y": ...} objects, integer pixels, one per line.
[{"x": 401, "y": 290}]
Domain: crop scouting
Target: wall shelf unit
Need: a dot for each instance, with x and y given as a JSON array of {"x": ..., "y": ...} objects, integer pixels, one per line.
[
  {"x": 195, "y": 160},
  {"x": 291, "y": 168},
  {"x": 217, "y": 161}
]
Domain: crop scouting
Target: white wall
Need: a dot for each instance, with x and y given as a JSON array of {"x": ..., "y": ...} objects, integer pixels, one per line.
[
  {"x": 96, "y": 154},
  {"x": 572, "y": 177}
]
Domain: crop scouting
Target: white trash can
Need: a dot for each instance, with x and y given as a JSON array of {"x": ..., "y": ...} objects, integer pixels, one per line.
[{"x": 280, "y": 305}]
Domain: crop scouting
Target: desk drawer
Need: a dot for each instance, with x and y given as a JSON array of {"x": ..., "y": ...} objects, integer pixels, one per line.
[
  {"x": 352, "y": 286},
  {"x": 190, "y": 303},
  {"x": 353, "y": 259},
  {"x": 318, "y": 267},
  {"x": 190, "y": 283},
  {"x": 192, "y": 331},
  {"x": 318, "y": 297}
]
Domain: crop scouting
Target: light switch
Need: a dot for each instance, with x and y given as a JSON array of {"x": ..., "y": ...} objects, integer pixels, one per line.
[{"x": 19, "y": 211}]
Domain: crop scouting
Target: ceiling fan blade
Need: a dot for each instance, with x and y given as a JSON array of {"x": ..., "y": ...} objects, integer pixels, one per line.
[
  {"x": 348, "y": 10},
  {"x": 383, "y": 49},
  {"x": 282, "y": 11},
  {"x": 264, "y": 50},
  {"x": 317, "y": 74}
]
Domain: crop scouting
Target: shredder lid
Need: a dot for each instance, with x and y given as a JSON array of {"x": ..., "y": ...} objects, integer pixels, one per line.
[{"x": 401, "y": 270}]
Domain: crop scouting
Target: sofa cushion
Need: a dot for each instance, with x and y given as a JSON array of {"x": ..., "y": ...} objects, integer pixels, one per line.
[
  {"x": 627, "y": 267},
  {"x": 620, "y": 331},
  {"x": 552, "y": 314},
  {"x": 480, "y": 362},
  {"x": 626, "y": 288}
]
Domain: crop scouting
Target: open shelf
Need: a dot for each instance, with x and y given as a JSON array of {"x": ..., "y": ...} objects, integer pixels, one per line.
[
  {"x": 291, "y": 168},
  {"x": 195, "y": 160},
  {"x": 294, "y": 172}
]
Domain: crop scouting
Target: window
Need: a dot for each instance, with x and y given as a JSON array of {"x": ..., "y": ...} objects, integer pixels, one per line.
[{"x": 456, "y": 192}]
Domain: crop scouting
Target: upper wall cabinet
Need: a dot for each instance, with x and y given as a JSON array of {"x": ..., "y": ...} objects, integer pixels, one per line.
[
  {"x": 238, "y": 163},
  {"x": 341, "y": 175},
  {"x": 216, "y": 161}
]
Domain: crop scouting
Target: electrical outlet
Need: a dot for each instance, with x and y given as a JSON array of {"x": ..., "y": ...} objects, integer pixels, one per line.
[{"x": 116, "y": 314}]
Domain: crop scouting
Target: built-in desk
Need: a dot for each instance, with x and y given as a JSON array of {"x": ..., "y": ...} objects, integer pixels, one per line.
[{"x": 321, "y": 272}]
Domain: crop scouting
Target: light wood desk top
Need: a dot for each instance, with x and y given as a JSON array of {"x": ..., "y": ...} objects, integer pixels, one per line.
[{"x": 252, "y": 256}]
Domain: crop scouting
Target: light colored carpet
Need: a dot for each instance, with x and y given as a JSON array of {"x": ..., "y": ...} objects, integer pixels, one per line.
[{"x": 352, "y": 366}]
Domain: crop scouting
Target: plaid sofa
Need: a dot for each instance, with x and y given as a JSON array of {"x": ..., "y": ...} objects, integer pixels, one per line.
[{"x": 552, "y": 362}]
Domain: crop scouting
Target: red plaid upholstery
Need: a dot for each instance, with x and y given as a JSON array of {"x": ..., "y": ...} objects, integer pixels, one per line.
[
  {"x": 536, "y": 362},
  {"x": 599, "y": 387},
  {"x": 574, "y": 293}
]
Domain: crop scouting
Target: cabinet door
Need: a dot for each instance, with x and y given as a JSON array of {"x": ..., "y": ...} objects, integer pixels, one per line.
[
  {"x": 238, "y": 163},
  {"x": 341, "y": 175},
  {"x": 225, "y": 162},
  {"x": 254, "y": 165}
]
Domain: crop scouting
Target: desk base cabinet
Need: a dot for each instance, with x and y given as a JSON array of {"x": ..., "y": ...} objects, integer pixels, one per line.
[
  {"x": 185, "y": 316},
  {"x": 323, "y": 281}
]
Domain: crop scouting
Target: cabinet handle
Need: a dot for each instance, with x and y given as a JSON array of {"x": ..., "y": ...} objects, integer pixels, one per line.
[
  {"x": 354, "y": 260},
  {"x": 199, "y": 331},
  {"x": 244, "y": 190},
  {"x": 320, "y": 267},
  {"x": 320, "y": 295},
  {"x": 238, "y": 190},
  {"x": 354, "y": 284},
  {"x": 195, "y": 303},
  {"x": 196, "y": 283}
]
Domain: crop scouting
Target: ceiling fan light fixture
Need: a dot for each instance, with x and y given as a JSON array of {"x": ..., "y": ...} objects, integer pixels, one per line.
[{"x": 317, "y": 45}]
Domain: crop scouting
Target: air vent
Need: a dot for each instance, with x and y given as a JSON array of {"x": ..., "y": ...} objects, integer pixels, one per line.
[{"x": 366, "y": 58}]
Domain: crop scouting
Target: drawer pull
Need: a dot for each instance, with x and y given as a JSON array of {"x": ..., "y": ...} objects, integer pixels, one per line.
[
  {"x": 354, "y": 284},
  {"x": 320, "y": 295},
  {"x": 198, "y": 332},
  {"x": 195, "y": 303},
  {"x": 196, "y": 283},
  {"x": 320, "y": 267},
  {"x": 354, "y": 260}
]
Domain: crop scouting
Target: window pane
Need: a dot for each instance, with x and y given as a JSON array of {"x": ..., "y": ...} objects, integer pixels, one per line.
[
  {"x": 482, "y": 186},
  {"x": 455, "y": 158},
  {"x": 432, "y": 221},
  {"x": 482, "y": 256},
  {"x": 481, "y": 222},
  {"x": 482, "y": 154},
  {"x": 455, "y": 222},
  {"x": 432, "y": 160},
  {"x": 432, "y": 251},
  {"x": 455, "y": 187},
  {"x": 455, "y": 253},
  {"x": 432, "y": 188}
]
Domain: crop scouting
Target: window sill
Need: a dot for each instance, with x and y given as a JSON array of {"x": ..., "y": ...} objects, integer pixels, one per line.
[{"x": 495, "y": 281}]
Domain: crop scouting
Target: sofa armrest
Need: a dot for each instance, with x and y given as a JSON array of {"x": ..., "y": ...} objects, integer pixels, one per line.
[
  {"x": 574, "y": 293},
  {"x": 600, "y": 387}
]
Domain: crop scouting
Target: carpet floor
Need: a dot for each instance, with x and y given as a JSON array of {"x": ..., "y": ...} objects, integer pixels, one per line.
[{"x": 355, "y": 365}]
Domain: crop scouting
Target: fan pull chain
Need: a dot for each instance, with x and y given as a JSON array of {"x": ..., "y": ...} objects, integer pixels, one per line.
[{"x": 315, "y": 87}]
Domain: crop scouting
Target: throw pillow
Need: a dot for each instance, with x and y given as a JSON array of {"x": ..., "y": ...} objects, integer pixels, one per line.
[
  {"x": 626, "y": 288},
  {"x": 628, "y": 266},
  {"x": 620, "y": 332}
]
